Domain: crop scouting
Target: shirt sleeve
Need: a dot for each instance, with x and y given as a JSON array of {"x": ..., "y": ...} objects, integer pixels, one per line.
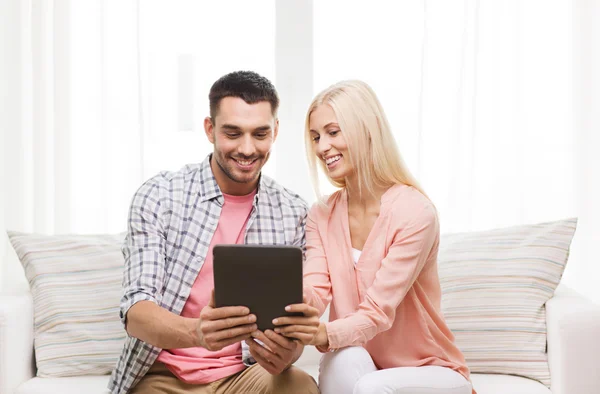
[
  {"x": 411, "y": 247},
  {"x": 247, "y": 358},
  {"x": 300, "y": 239},
  {"x": 143, "y": 250},
  {"x": 317, "y": 284}
]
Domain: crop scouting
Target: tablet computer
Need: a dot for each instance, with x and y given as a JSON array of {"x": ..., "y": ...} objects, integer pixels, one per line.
[{"x": 264, "y": 278}]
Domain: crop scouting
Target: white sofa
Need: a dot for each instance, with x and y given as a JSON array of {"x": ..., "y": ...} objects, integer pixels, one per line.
[{"x": 573, "y": 325}]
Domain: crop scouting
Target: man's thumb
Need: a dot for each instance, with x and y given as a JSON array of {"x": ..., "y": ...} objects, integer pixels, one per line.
[{"x": 212, "y": 299}]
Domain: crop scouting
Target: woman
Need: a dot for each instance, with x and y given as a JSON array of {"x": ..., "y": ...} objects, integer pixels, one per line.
[{"x": 372, "y": 252}]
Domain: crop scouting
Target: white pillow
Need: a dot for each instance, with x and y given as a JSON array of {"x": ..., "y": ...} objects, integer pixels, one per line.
[
  {"x": 495, "y": 285},
  {"x": 76, "y": 285}
]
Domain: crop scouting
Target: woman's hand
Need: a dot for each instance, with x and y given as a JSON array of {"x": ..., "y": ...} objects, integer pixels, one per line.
[{"x": 303, "y": 328}]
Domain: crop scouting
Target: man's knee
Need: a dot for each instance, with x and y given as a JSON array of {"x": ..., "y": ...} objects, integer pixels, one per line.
[{"x": 293, "y": 381}]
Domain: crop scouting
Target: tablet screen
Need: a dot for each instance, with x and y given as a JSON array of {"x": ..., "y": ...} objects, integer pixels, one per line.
[{"x": 263, "y": 278}]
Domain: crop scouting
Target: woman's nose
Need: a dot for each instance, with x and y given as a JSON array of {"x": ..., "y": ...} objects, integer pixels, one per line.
[{"x": 323, "y": 146}]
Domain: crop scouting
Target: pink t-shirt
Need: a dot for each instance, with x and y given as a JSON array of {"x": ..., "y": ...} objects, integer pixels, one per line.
[{"x": 197, "y": 365}]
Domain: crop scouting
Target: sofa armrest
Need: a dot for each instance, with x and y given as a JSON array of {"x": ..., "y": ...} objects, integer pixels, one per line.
[
  {"x": 17, "y": 363},
  {"x": 573, "y": 324}
]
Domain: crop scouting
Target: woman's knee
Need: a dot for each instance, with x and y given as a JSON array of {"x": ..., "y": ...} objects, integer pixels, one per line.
[
  {"x": 340, "y": 370},
  {"x": 347, "y": 358}
]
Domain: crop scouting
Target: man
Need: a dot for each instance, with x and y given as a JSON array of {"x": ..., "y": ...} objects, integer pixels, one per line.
[{"x": 178, "y": 341}]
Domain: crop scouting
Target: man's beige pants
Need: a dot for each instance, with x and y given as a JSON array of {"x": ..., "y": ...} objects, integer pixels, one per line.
[{"x": 253, "y": 380}]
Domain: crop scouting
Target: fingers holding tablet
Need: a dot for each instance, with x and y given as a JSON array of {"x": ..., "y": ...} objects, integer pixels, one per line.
[
  {"x": 276, "y": 352},
  {"x": 303, "y": 328},
  {"x": 220, "y": 327}
]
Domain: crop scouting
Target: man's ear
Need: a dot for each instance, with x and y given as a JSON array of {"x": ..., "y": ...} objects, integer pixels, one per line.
[
  {"x": 209, "y": 129},
  {"x": 276, "y": 130}
]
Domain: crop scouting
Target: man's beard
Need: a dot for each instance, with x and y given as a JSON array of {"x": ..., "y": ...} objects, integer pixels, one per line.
[{"x": 229, "y": 171}]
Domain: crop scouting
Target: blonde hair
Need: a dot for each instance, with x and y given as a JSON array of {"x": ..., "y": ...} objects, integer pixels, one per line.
[{"x": 371, "y": 145}]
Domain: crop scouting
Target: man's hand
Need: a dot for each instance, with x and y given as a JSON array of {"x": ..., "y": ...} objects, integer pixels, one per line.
[
  {"x": 303, "y": 328},
  {"x": 278, "y": 355},
  {"x": 220, "y": 327}
]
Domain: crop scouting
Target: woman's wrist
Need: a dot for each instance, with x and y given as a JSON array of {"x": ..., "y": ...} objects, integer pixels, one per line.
[{"x": 322, "y": 339}]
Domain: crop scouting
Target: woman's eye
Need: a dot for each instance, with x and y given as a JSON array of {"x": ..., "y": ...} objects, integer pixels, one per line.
[
  {"x": 316, "y": 138},
  {"x": 333, "y": 133}
]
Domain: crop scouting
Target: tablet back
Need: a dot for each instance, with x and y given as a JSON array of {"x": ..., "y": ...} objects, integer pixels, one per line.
[{"x": 264, "y": 278}]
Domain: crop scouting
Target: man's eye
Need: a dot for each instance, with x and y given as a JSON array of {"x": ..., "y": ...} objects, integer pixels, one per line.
[
  {"x": 232, "y": 135},
  {"x": 261, "y": 135}
]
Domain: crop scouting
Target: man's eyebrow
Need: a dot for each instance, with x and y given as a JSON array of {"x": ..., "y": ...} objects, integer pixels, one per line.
[
  {"x": 230, "y": 126},
  {"x": 237, "y": 128},
  {"x": 263, "y": 128}
]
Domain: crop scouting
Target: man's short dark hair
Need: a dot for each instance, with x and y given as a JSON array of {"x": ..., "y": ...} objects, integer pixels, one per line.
[{"x": 247, "y": 85}]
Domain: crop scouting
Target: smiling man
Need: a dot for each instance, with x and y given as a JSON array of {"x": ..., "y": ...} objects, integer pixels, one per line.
[{"x": 178, "y": 342}]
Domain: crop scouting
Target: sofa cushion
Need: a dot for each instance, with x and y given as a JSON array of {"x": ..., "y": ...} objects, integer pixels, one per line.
[
  {"x": 495, "y": 285},
  {"x": 76, "y": 286}
]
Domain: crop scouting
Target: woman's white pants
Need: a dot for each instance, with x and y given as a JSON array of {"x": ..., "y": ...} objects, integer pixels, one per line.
[{"x": 352, "y": 371}]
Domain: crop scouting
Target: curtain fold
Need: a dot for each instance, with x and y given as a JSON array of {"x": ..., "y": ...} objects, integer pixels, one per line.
[{"x": 73, "y": 155}]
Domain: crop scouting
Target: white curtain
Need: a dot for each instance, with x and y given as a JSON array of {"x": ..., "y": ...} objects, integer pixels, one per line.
[
  {"x": 585, "y": 272},
  {"x": 492, "y": 103},
  {"x": 71, "y": 148},
  {"x": 107, "y": 94},
  {"x": 478, "y": 94}
]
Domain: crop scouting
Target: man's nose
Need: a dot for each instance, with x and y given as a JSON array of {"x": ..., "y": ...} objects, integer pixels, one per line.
[{"x": 246, "y": 147}]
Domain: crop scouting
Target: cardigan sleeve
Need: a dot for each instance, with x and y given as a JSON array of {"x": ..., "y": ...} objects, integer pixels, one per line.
[{"x": 317, "y": 284}]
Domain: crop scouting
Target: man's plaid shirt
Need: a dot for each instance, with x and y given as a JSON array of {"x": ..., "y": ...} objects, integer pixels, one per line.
[{"x": 172, "y": 219}]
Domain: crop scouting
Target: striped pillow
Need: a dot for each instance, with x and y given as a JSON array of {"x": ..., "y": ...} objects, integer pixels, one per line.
[
  {"x": 76, "y": 285},
  {"x": 495, "y": 285}
]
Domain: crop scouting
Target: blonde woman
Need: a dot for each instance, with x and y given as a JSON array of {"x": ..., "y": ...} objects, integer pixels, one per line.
[{"x": 372, "y": 253}]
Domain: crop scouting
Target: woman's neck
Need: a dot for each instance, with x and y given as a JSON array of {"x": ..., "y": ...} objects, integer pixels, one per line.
[{"x": 365, "y": 198}]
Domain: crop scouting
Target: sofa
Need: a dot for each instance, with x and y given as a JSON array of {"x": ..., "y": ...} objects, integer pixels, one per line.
[
  {"x": 469, "y": 267},
  {"x": 573, "y": 324}
]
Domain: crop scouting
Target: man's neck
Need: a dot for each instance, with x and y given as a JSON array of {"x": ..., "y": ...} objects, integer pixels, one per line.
[{"x": 227, "y": 185}]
